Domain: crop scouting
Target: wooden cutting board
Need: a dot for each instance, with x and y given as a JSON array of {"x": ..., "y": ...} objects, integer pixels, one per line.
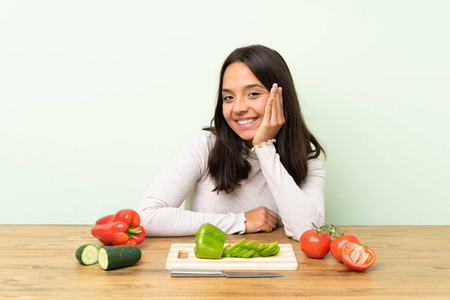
[{"x": 182, "y": 256}]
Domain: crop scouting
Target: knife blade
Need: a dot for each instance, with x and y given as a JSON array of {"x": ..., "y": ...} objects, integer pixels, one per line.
[{"x": 220, "y": 273}]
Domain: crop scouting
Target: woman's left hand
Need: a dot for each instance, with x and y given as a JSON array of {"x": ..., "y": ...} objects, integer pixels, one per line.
[
  {"x": 273, "y": 117},
  {"x": 260, "y": 219}
]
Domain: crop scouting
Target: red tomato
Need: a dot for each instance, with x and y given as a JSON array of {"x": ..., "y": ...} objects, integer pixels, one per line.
[
  {"x": 337, "y": 244},
  {"x": 356, "y": 257},
  {"x": 315, "y": 243}
]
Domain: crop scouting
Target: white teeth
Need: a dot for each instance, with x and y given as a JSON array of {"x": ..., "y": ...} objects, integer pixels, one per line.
[{"x": 243, "y": 122}]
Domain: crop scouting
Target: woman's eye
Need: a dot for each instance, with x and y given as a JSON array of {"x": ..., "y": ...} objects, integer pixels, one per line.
[
  {"x": 227, "y": 98},
  {"x": 254, "y": 94}
]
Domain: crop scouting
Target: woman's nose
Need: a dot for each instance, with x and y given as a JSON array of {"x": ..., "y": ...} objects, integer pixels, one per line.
[{"x": 240, "y": 105}]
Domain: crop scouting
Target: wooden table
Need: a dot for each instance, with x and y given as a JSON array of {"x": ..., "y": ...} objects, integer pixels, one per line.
[{"x": 38, "y": 262}]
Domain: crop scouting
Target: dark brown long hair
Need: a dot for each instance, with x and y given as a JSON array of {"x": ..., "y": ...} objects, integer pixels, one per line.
[{"x": 227, "y": 163}]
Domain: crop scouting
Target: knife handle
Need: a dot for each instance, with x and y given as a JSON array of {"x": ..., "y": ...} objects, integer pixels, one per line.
[{"x": 196, "y": 273}]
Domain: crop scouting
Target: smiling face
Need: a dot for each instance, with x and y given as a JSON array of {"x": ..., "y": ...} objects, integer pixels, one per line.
[{"x": 244, "y": 101}]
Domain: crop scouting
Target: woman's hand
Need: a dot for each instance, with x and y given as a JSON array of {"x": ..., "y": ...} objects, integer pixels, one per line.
[
  {"x": 273, "y": 117},
  {"x": 260, "y": 219}
]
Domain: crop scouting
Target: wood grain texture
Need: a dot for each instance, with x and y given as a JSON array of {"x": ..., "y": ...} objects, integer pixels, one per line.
[{"x": 38, "y": 262}]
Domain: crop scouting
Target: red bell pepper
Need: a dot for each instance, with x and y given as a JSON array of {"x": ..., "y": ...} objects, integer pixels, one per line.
[{"x": 122, "y": 228}]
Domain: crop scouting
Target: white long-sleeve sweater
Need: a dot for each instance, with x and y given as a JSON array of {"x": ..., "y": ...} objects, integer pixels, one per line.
[{"x": 268, "y": 184}]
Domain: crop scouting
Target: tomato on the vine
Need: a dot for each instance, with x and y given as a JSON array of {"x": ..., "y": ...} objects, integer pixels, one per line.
[
  {"x": 315, "y": 243},
  {"x": 337, "y": 244},
  {"x": 356, "y": 257},
  {"x": 339, "y": 239}
]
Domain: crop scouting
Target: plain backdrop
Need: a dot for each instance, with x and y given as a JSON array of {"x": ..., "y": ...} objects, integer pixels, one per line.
[{"x": 97, "y": 96}]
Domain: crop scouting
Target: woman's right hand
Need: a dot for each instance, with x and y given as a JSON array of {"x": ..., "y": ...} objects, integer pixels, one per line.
[{"x": 260, "y": 219}]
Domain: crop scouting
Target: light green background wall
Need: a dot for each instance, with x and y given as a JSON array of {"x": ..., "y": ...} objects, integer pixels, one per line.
[{"x": 97, "y": 96}]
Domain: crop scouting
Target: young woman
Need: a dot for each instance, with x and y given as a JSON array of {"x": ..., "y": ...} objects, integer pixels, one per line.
[{"x": 255, "y": 167}]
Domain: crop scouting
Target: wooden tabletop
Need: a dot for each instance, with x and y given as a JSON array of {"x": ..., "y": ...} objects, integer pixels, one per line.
[{"x": 38, "y": 262}]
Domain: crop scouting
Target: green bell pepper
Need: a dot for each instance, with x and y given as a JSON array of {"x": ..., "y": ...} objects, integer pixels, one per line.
[{"x": 209, "y": 241}]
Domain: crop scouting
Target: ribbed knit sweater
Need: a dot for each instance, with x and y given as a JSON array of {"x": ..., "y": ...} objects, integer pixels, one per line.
[{"x": 186, "y": 179}]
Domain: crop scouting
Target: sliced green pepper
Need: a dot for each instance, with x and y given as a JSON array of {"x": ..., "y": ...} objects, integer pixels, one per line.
[
  {"x": 246, "y": 249},
  {"x": 271, "y": 249},
  {"x": 209, "y": 241}
]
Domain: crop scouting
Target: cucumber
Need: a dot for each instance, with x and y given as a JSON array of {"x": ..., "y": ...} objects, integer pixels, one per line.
[
  {"x": 87, "y": 254},
  {"x": 114, "y": 257}
]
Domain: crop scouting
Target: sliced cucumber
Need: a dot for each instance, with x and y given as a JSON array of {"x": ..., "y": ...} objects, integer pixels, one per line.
[
  {"x": 114, "y": 257},
  {"x": 87, "y": 254}
]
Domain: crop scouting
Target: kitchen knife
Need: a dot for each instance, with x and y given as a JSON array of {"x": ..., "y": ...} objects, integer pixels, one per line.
[{"x": 219, "y": 273}]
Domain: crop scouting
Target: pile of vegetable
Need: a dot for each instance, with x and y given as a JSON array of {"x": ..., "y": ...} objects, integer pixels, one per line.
[
  {"x": 210, "y": 241},
  {"x": 121, "y": 233},
  {"x": 345, "y": 248}
]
